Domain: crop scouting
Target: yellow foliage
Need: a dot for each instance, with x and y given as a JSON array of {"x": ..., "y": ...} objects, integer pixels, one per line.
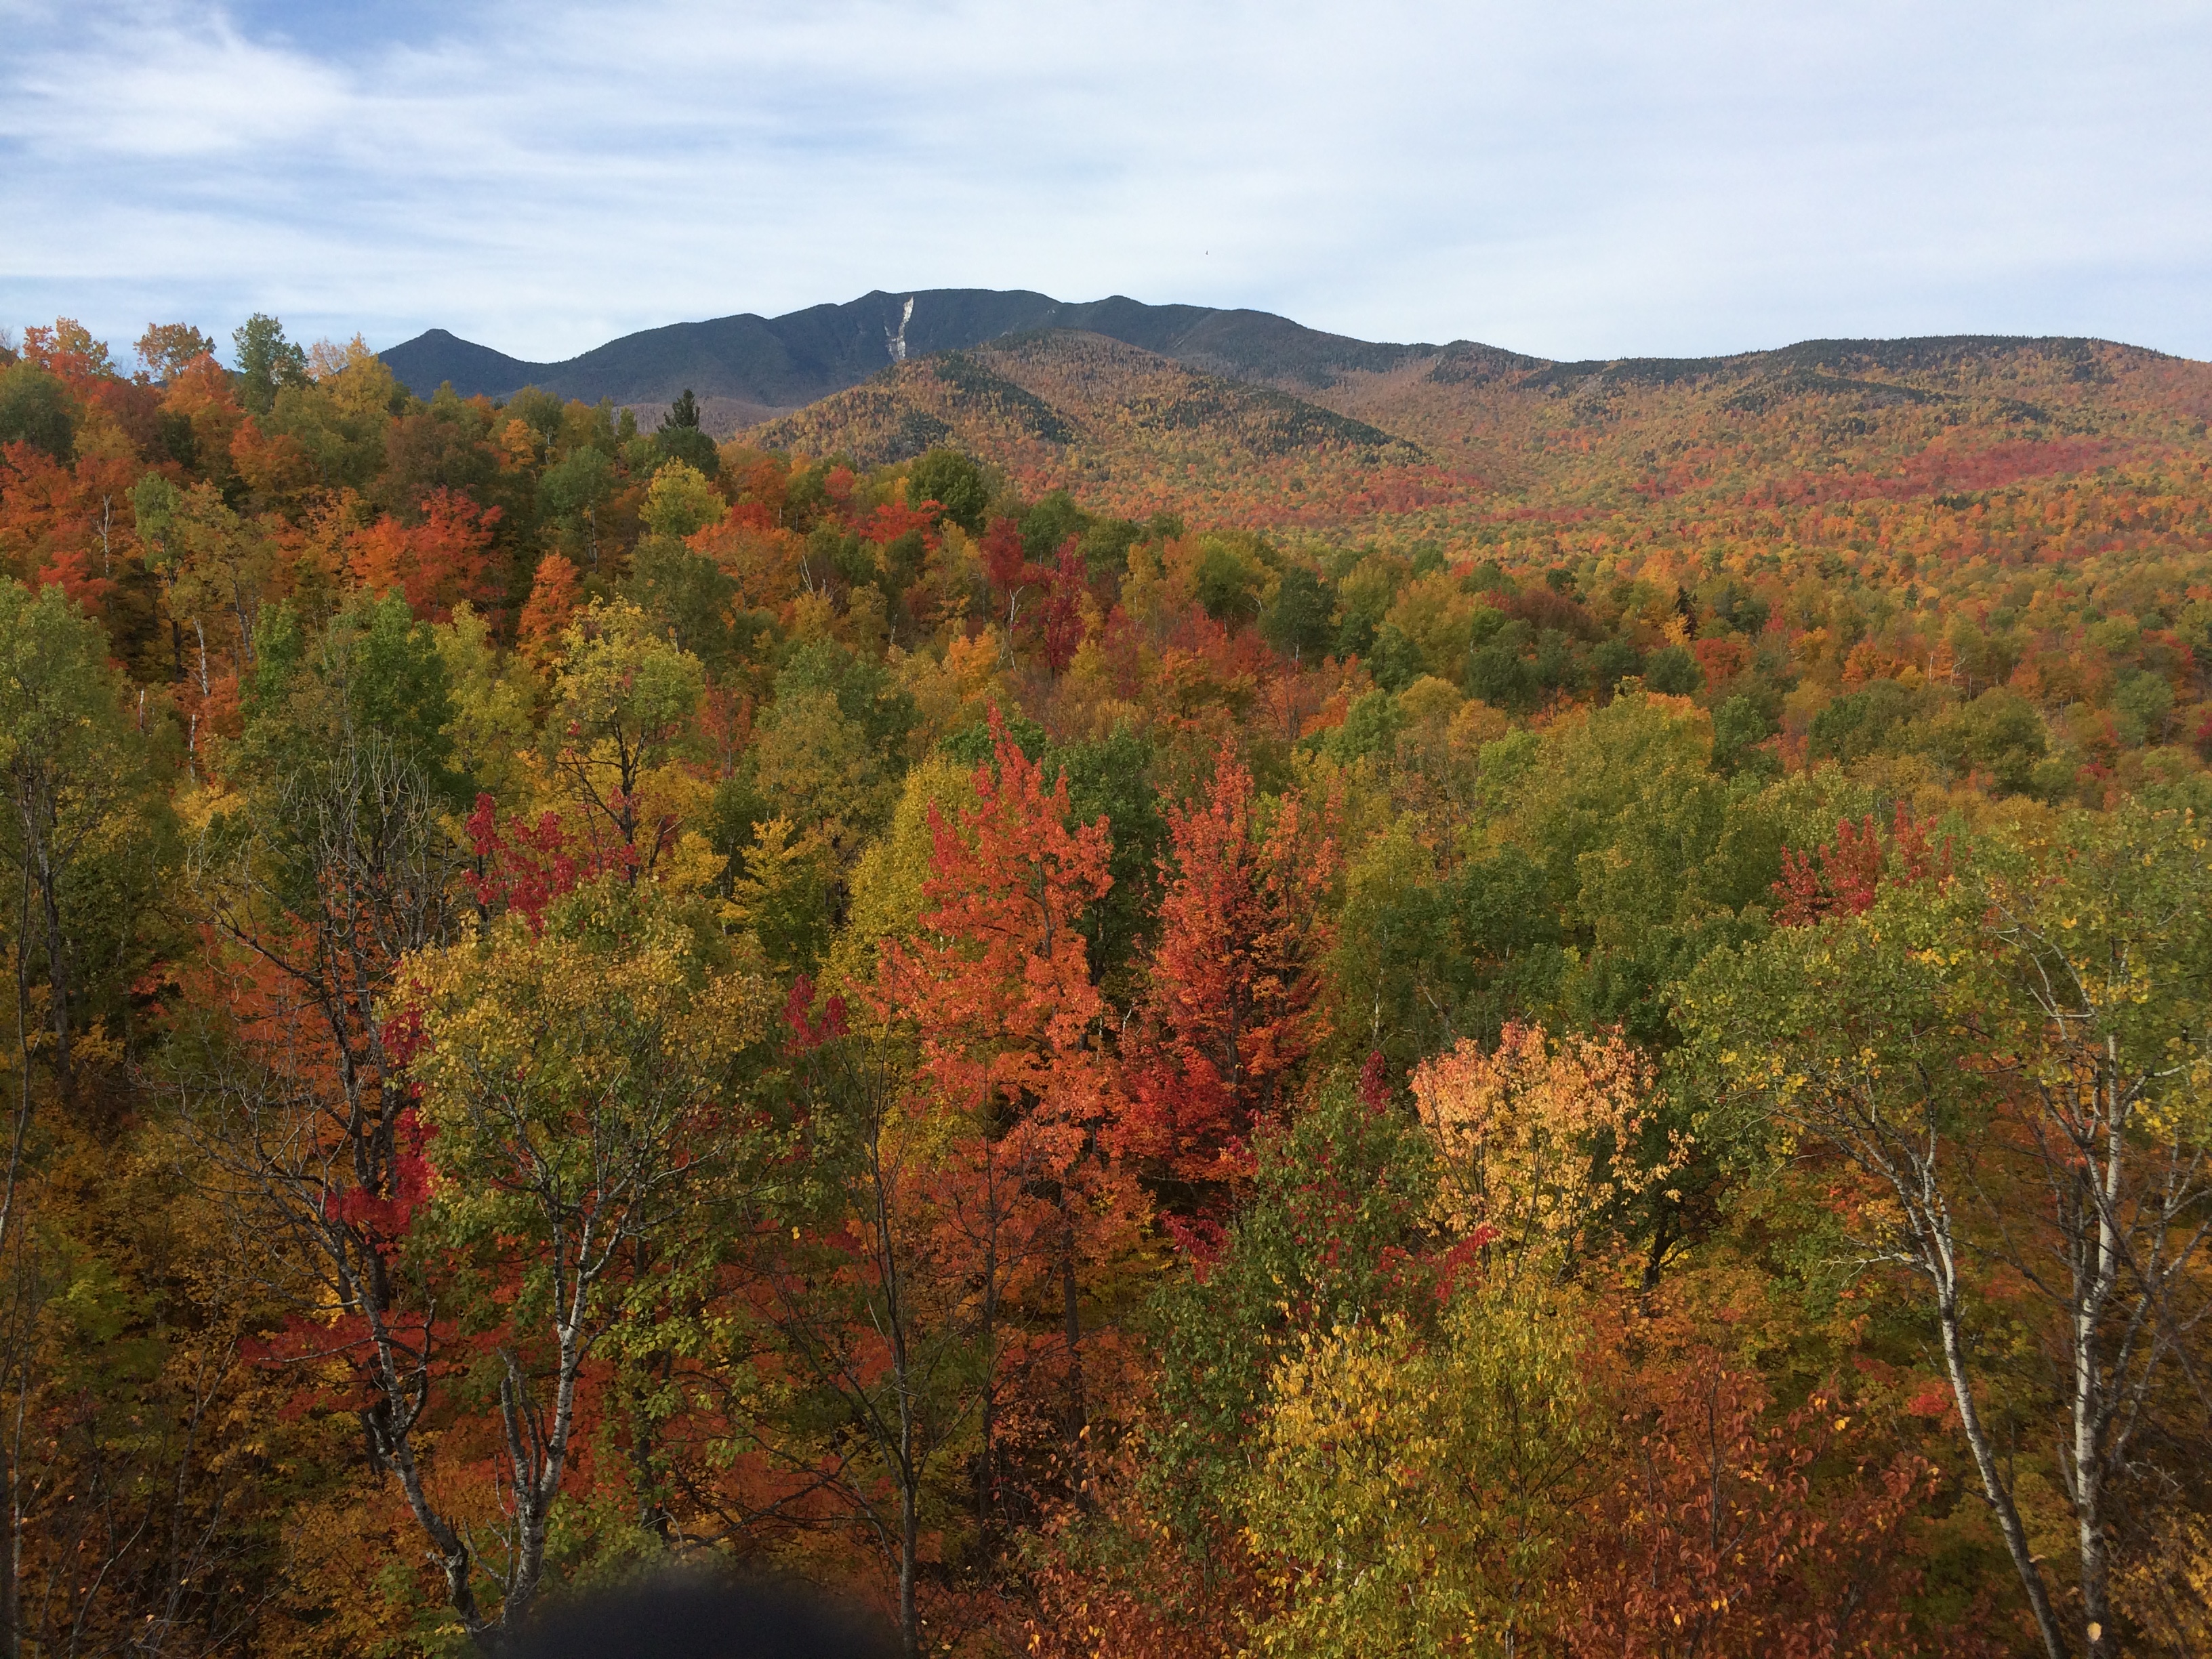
[
  {"x": 958, "y": 691},
  {"x": 887, "y": 881},
  {"x": 2167, "y": 1590},
  {"x": 680, "y": 502},
  {"x": 1542, "y": 1147},
  {"x": 1414, "y": 1494},
  {"x": 493, "y": 704},
  {"x": 599, "y": 1044}
]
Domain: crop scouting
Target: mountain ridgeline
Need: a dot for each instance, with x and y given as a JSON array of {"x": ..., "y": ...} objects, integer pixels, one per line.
[
  {"x": 748, "y": 366},
  {"x": 1261, "y": 421}
]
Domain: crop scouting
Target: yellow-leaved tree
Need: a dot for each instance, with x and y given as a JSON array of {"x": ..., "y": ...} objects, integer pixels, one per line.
[
  {"x": 1543, "y": 1147},
  {"x": 623, "y": 701},
  {"x": 1417, "y": 1491},
  {"x": 579, "y": 1074}
]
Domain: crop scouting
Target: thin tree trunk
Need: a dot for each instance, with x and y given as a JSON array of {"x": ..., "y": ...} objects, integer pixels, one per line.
[
  {"x": 1072, "y": 1319},
  {"x": 11, "y": 1592},
  {"x": 1985, "y": 1464}
]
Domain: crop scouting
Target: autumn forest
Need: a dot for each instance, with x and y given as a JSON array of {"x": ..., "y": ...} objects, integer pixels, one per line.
[{"x": 1420, "y": 1002}]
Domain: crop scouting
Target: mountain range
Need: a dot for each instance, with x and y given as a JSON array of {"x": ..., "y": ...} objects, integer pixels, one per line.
[
  {"x": 747, "y": 367},
  {"x": 1251, "y": 418}
]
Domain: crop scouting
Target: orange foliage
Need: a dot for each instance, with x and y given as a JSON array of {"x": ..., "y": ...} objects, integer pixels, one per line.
[
  {"x": 434, "y": 565},
  {"x": 553, "y": 595},
  {"x": 1230, "y": 1015},
  {"x": 1541, "y": 1143}
]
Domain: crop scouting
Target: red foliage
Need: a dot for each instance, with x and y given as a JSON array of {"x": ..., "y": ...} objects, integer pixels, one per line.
[
  {"x": 1722, "y": 658},
  {"x": 807, "y": 1033},
  {"x": 1062, "y": 625},
  {"x": 893, "y": 519},
  {"x": 1841, "y": 878},
  {"x": 70, "y": 573},
  {"x": 386, "y": 1216},
  {"x": 68, "y": 351},
  {"x": 1231, "y": 1012},
  {"x": 1374, "y": 1082},
  {"x": 998, "y": 989},
  {"x": 526, "y": 867},
  {"x": 1000, "y": 982},
  {"x": 1005, "y": 561},
  {"x": 56, "y": 521}
]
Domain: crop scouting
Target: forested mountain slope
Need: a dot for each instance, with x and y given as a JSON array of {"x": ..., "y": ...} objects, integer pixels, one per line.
[{"x": 1467, "y": 439}]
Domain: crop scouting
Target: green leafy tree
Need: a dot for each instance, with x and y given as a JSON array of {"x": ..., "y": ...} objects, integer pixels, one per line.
[
  {"x": 34, "y": 409},
  {"x": 679, "y": 438},
  {"x": 1298, "y": 623},
  {"x": 1339, "y": 1200},
  {"x": 572, "y": 492},
  {"x": 267, "y": 361},
  {"x": 1417, "y": 1491},
  {"x": 2011, "y": 1062},
  {"x": 680, "y": 501},
  {"x": 954, "y": 483},
  {"x": 81, "y": 832},
  {"x": 622, "y": 700},
  {"x": 578, "y": 1075}
]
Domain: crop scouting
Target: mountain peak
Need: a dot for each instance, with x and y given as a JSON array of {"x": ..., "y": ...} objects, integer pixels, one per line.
[{"x": 747, "y": 367}]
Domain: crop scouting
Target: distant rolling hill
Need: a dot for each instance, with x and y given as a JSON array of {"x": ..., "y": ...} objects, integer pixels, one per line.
[
  {"x": 1054, "y": 389},
  {"x": 1435, "y": 437},
  {"x": 1135, "y": 429}
]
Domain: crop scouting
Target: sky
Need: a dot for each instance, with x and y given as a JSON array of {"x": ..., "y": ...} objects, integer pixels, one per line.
[{"x": 1571, "y": 178}]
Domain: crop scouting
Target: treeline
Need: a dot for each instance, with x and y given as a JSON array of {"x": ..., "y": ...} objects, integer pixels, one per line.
[{"x": 584, "y": 996}]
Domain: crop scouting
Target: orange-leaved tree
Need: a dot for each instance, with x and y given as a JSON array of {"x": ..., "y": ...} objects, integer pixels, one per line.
[
  {"x": 435, "y": 565},
  {"x": 997, "y": 986},
  {"x": 1543, "y": 1146},
  {"x": 1725, "y": 1531}
]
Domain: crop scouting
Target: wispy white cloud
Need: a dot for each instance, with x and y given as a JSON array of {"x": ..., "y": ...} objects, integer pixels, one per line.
[{"x": 1585, "y": 177}]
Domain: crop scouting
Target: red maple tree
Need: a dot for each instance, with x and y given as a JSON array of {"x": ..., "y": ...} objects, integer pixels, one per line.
[{"x": 1232, "y": 1010}]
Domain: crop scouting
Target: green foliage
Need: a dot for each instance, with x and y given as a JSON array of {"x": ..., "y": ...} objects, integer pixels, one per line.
[
  {"x": 374, "y": 676},
  {"x": 679, "y": 439},
  {"x": 680, "y": 501},
  {"x": 1998, "y": 735},
  {"x": 1421, "y": 1491},
  {"x": 865, "y": 692},
  {"x": 34, "y": 409},
  {"x": 1370, "y": 729},
  {"x": 267, "y": 361},
  {"x": 1227, "y": 580},
  {"x": 1674, "y": 671},
  {"x": 1397, "y": 661},
  {"x": 85, "y": 829},
  {"x": 579, "y": 483},
  {"x": 1111, "y": 778},
  {"x": 1338, "y": 1204},
  {"x": 972, "y": 745},
  {"x": 955, "y": 482},
  {"x": 1297, "y": 621},
  {"x": 686, "y": 592},
  {"x": 1740, "y": 725},
  {"x": 1862, "y": 723}
]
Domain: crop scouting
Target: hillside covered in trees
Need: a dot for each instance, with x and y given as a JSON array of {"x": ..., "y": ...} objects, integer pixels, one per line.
[{"x": 1123, "y": 1005}]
